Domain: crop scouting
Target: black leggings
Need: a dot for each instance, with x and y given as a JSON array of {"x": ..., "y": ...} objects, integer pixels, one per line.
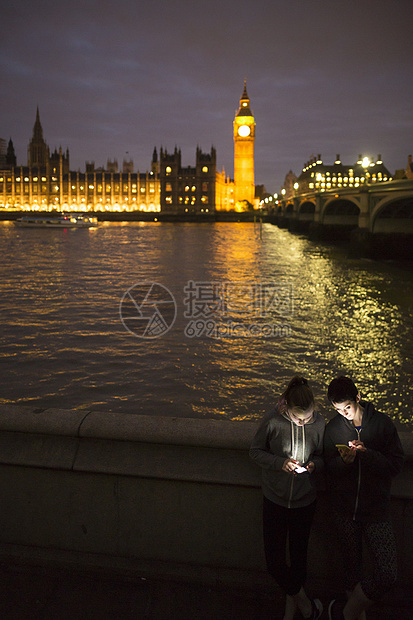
[
  {"x": 280, "y": 523},
  {"x": 380, "y": 541}
]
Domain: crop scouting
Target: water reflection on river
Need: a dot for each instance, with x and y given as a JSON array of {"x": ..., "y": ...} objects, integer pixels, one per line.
[{"x": 63, "y": 343}]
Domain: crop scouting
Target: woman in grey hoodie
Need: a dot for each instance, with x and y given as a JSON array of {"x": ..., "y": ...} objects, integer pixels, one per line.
[{"x": 288, "y": 446}]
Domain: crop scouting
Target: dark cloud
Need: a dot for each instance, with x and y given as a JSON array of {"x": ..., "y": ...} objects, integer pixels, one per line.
[{"x": 111, "y": 78}]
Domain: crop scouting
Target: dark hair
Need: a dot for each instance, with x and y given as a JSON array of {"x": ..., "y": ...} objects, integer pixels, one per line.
[
  {"x": 342, "y": 389},
  {"x": 298, "y": 395}
]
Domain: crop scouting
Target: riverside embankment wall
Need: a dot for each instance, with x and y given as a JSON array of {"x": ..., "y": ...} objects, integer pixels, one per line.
[{"x": 154, "y": 496}]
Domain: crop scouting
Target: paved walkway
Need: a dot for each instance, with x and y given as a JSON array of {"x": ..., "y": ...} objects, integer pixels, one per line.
[{"x": 39, "y": 593}]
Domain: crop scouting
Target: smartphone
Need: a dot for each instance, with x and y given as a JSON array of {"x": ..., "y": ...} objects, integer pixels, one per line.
[
  {"x": 300, "y": 470},
  {"x": 342, "y": 446}
]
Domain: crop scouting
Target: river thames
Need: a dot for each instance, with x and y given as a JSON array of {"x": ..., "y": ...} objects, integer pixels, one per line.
[{"x": 248, "y": 308}]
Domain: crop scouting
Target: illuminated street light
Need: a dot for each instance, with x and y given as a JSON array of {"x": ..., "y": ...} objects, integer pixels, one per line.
[{"x": 365, "y": 163}]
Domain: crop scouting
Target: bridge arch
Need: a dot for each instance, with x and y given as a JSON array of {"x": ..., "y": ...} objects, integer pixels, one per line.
[
  {"x": 289, "y": 209},
  {"x": 306, "y": 211},
  {"x": 340, "y": 211},
  {"x": 393, "y": 215}
]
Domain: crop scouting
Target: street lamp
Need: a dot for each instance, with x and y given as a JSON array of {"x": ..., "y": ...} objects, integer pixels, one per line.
[{"x": 365, "y": 163}]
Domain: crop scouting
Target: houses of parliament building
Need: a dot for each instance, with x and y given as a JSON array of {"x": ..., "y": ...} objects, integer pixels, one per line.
[{"x": 46, "y": 183}]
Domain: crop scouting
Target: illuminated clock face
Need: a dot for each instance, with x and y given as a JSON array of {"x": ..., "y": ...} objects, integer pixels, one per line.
[{"x": 244, "y": 131}]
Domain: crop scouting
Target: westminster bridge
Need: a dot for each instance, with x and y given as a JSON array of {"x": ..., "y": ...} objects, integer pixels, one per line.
[
  {"x": 376, "y": 218},
  {"x": 385, "y": 207}
]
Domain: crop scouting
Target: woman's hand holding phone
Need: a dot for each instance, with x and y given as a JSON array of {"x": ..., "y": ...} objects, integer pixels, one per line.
[{"x": 347, "y": 453}]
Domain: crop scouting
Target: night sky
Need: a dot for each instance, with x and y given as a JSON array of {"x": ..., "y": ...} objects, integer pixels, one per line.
[{"x": 114, "y": 79}]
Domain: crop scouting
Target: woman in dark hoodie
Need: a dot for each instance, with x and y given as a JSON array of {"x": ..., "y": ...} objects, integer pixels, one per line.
[
  {"x": 362, "y": 453},
  {"x": 288, "y": 447}
]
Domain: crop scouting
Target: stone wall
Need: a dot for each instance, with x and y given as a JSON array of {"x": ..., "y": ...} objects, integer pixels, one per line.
[{"x": 167, "y": 496}]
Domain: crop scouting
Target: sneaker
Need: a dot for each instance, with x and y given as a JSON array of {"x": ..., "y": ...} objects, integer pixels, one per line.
[
  {"x": 317, "y": 609},
  {"x": 335, "y": 610}
]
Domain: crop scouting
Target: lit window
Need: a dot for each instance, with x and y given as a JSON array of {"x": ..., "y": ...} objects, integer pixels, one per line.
[
  {"x": 205, "y": 169},
  {"x": 193, "y": 188},
  {"x": 168, "y": 170}
]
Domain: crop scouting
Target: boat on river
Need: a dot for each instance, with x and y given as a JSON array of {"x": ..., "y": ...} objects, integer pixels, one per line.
[{"x": 72, "y": 220}]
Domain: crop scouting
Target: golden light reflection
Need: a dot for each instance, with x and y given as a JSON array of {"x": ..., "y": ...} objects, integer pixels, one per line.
[{"x": 347, "y": 317}]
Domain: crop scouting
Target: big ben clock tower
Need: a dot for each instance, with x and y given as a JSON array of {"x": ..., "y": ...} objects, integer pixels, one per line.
[{"x": 244, "y": 137}]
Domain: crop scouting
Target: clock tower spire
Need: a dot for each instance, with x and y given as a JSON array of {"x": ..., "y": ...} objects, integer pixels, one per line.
[{"x": 244, "y": 137}]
